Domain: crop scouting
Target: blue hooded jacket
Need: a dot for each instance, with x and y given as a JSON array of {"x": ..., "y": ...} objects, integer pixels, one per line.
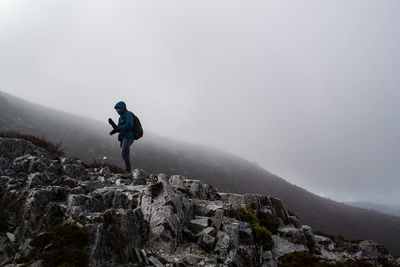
[{"x": 125, "y": 122}]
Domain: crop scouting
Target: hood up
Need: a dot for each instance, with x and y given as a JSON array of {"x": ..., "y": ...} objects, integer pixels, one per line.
[{"x": 121, "y": 105}]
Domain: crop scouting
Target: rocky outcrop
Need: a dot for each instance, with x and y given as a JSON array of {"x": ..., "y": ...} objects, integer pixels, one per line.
[{"x": 151, "y": 220}]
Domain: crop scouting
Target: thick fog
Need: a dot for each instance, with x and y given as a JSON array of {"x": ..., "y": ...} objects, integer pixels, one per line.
[{"x": 307, "y": 89}]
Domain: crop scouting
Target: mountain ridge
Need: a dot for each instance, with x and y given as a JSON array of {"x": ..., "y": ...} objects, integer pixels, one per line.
[
  {"x": 89, "y": 140},
  {"x": 56, "y": 212}
]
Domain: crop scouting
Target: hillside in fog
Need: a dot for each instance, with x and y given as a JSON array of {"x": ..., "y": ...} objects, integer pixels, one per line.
[{"x": 88, "y": 139}]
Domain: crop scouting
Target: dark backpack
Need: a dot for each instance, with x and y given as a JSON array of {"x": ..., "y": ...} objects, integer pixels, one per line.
[{"x": 137, "y": 128}]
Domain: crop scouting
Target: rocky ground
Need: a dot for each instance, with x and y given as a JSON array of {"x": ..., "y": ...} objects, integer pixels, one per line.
[{"x": 56, "y": 212}]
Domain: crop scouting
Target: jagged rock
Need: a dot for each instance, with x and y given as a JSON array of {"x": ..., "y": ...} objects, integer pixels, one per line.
[
  {"x": 268, "y": 259},
  {"x": 208, "y": 231},
  {"x": 71, "y": 183},
  {"x": 140, "y": 177},
  {"x": 175, "y": 220},
  {"x": 37, "y": 179},
  {"x": 252, "y": 201},
  {"x": 322, "y": 240},
  {"x": 54, "y": 167},
  {"x": 293, "y": 221},
  {"x": 245, "y": 234},
  {"x": 170, "y": 210},
  {"x": 206, "y": 207},
  {"x": 217, "y": 220},
  {"x": 138, "y": 182},
  {"x": 21, "y": 164},
  {"x": 118, "y": 236},
  {"x": 105, "y": 171},
  {"x": 12, "y": 148},
  {"x": 311, "y": 241},
  {"x": 283, "y": 246},
  {"x": 76, "y": 171},
  {"x": 199, "y": 223},
  {"x": 232, "y": 203},
  {"x": 155, "y": 262},
  {"x": 10, "y": 237},
  {"x": 294, "y": 235},
  {"x": 280, "y": 210},
  {"x": 193, "y": 188},
  {"x": 192, "y": 237},
  {"x": 38, "y": 263},
  {"x": 206, "y": 242},
  {"x": 231, "y": 227},
  {"x": 372, "y": 248},
  {"x": 222, "y": 245},
  {"x": 26, "y": 248},
  {"x": 140, "y": 174}
]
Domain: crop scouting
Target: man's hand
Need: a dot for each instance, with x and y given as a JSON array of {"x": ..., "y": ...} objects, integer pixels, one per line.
[
  {"x": 113, "y": 131},
  {"x": 110, "y": 121}
]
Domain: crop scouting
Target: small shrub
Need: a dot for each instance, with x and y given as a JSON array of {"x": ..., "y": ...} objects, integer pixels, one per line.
[
  {"x": 68, "y": 242},
  {"x": 247, "y": 215},
  {"x": 262, "y": 236},
  {"x": 268, "y": 222},
  {"x": 38, "y": 141},
  {"x": 156, "y": 189}
]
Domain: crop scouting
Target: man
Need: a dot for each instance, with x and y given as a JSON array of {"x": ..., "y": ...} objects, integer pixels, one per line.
[{"x": 125, "y": 136}]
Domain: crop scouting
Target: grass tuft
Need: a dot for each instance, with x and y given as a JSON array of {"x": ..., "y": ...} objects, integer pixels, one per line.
[{"x": 38, "y": 141}]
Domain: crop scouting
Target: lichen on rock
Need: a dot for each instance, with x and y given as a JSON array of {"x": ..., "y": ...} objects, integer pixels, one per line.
[{"x": 57, "y": 211}]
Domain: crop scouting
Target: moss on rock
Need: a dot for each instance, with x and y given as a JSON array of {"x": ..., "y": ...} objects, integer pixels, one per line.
[{"x": 262, "y": 236}]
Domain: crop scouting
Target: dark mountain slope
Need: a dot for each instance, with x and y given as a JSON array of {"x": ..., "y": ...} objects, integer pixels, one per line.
[
  {"x": 89, "y": 139},
  {"x": 382, "y": 208}
]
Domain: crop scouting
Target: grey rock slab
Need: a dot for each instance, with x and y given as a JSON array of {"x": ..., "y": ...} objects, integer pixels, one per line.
[
  {"x": 140, "y": 174},
  {"x": 206, "y": 242},
  {"x": 208, "y": 231},
  {"x": 222, "y": 245},
  {"x": 10, "y": 236},
  {"x": 155, "y": 262},
  {"x": 217, "y": 219},
  {"x": 37, "y": 179},
  {"x": 38, "y": 263},
  {"x": 231, "y": 227},
  {"x": 198, "y": 224},
  {"x": 282, "y": 246},
  {"x": 280, "y": 210},
  {"x": 372, "y": 248},
  {"x": 245, "y": 234},
  {"x": 105, "y": 171},
  {"x": 294, "y": 235}
]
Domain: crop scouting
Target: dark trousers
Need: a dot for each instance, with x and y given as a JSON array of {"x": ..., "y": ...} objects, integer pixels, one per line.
[{"x": 125, "y": 145}]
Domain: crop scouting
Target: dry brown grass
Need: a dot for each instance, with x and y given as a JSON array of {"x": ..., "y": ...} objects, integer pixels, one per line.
[{"x": 38, "y": 141}]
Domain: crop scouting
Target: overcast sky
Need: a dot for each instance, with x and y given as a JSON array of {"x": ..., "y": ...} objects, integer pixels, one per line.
[{"x": 307, "y": 89}]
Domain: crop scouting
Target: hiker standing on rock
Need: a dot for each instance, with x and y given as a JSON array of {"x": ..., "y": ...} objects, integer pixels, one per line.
[{"x": 129, "y": 129}]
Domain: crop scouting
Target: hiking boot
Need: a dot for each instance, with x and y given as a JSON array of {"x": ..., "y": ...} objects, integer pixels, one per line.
[{"x": 127, "y": 175}]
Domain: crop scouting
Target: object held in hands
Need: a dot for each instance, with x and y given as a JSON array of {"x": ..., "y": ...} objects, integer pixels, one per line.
[
  {"x": 113, "y": 131},
  {"x": 110, "y": 121}
]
